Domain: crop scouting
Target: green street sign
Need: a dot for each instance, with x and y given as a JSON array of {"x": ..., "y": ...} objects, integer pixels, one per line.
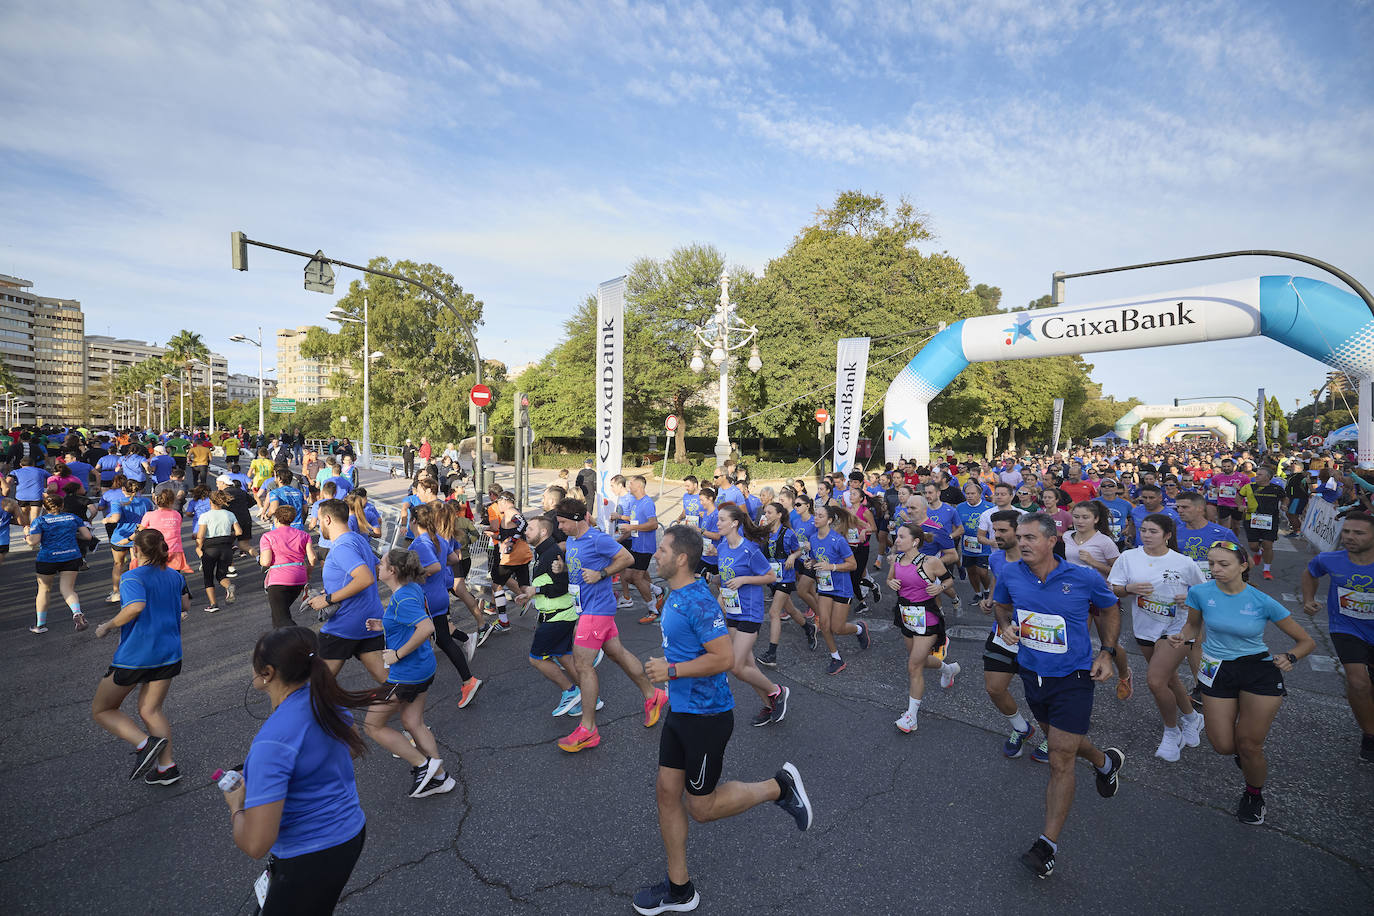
[{"x": 283, "y": 405}]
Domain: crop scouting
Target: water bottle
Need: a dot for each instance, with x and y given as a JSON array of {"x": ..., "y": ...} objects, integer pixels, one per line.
[{"x": 227, "y": 780}]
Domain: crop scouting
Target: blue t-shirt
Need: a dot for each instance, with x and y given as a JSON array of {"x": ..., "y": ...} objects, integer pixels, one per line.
[
  {"x": 753, "y": 505},
  {"x": 347, "y": 553},
  {"x": 832, "y": 548},
  {"x": 245, "y": 482},
  {"x": 431, "y": 549},
  {"x": 1052, "y": 616},
  {"x": 107, "y": 465},
  {"x": 691, "y": 507},
  {"x": 1350, "y": 596},
  {"x": 153, "y": 639},
  {"x": 81, "y": 471},
  {"x": 779, "y": 547},
  {"x": 342, "y": 486},
  {"x": 1140, "y": 513},
  {"x": 31, "y": 482},
  {"x": 290, "y": 496},
  {"x": 691, "y": 619},
  {"x": 403, "y": 612},
  {"x": 162, "y": 467},
  {"x": 710, "y": 522},
  {"x": 6, "y": 520},
  {"x": 730, "y": 494},
  {"x": 593, "y": 550},
  {"x": 1234, "y": 623},
  {"x": 197, "y": 508},
  {"x": 374, "y": 518},
  {"x": 641, "y": 510},
  {"x": 129, "y": 511},
  {"x": 132, "y": 466},
  {"x": 295, "y": 761},
  {"x": 969, "y": 515},
  {"x": 412, "y": 501},
  {"x": 947, "y": 517},
  {"x": 1194, "y": 543},
  {"x": 58, "y": 531},
  {"x": 745, "y": 560},
  {"x": 939, "y": 543},
  {"x": 1118, "y": 510}
]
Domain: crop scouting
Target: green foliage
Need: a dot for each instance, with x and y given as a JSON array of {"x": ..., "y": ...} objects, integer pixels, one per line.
[{"x": 1272, "y": 412}]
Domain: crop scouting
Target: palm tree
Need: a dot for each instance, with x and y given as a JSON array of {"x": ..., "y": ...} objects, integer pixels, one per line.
[{"x": 181, "y": 349}]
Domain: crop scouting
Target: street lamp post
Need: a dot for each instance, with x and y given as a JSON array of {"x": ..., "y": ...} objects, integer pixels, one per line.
[
  {"x": 723, "y": 333},
  {"x": 239, "y": 338},
  {"x": 337, "y": 315}
]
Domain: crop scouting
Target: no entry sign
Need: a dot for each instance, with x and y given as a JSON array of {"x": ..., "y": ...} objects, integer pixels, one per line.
[
  {"x": 822, "y": 415},
  {"x": 481, "y": 395}
]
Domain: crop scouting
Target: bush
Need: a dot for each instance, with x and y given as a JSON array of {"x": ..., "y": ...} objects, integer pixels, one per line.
[{"x": 558, "y": 461}]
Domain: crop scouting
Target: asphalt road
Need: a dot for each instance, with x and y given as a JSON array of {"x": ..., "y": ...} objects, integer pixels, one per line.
[{"x": 933, "y": 821}]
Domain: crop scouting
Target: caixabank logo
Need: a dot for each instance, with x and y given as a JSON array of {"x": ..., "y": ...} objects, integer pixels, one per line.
[{"x": 1122, "y": 321}]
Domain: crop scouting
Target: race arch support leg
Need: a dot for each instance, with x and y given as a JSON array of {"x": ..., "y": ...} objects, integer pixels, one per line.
[{"x": 906, "y": 408}]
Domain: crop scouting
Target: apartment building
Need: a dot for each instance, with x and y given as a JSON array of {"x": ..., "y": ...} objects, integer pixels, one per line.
[
  {"x": 306, "y": 380},
  {"x": 41, "y": 343}
]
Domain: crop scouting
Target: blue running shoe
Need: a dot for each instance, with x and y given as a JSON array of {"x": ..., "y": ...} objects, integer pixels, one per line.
[
  {"x": 1041, "y": 754},
  {"x": 660, "y": 899},
  {"x": 1016, "y": 742}
]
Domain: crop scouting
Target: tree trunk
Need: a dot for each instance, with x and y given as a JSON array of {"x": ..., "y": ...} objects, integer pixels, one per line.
[
  {"x": 1011, "y": 438},
  {"x": 680, "y": 435},
  {"x": 991, "y": 444},
  {"x": 760, "y": 448}
]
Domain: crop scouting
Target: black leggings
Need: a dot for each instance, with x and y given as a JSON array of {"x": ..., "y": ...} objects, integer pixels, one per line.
[
  {"x": 311, "y": 884},
  {"x": 279, "y": 599},
  {"x": 215, "y": 556},
  {"x": 445, "y": 641},
  {"x": 860, "y": 570}
]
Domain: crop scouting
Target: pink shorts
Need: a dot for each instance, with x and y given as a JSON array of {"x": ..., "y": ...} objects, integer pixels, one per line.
[{"x": 595, "y": 630}]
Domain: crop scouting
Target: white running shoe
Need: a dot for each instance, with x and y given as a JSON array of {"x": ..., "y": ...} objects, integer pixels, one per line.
[
  {"x": 469, "y": 646},
  {"x": 1170, "y": 745},
  {"x": 624, "y": 603},
  {"x": 906, "y": 723},
  {"x": 229, "y": 593},
  {"x": 1192, "y": 732},
  {"x": 947, "y": 674}
]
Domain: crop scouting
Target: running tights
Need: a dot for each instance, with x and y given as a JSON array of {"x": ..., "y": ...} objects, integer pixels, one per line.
[
  {"x": 311, "y": 883},
  {"x": 444, "y": 639},
  {"x": 280, "y": 598}
]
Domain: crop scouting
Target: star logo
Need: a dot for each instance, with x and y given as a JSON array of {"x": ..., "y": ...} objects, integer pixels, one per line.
[
  {"x": 897, "y": 428},
  {"x": 1021, "y": 327}
]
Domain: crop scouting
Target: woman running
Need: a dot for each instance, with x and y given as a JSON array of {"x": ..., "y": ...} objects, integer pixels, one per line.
[
  {"x": 783, "y": 549},
  {"x": 859, "y": 536},
  {"x": 155, "y": 599},
  {"x": 804, "y": 525},
  {"x": 1242, "y": 684},
  {"x": 1089, "y": 543},
  {"x": 288, "y": 556},
  {"x": 127, "y": 512},
  {"x": 298, "y": 799},
  {"x": 710, "y": 533},
  {"x": 216, "y": 532},
  {"x": 831, "y": 555},
  {"x": 167, "y": 520},
  {"x": 435, "y": 555},
  {"x": 410, "y": 670},
  {"x": 363, "y": 517},
  {"x": 744, "y": 571},
  {"x": 1052, "y": 501},
  {"x": 58, "y": 536},
  {"x": 61, "y": 476},
  {"x": 1155, "y": 579},
  {"x": 513, "y": 554},
  {"x": 454, "y": 524},
  {"x": 111, "y": 494},
  {"x": 917, "y": 579}
]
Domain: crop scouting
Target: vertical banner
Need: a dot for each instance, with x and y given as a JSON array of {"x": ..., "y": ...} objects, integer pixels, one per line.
[
  {"x": 1058, "y": 422},
  {"x": 1260, "y": 429},
  {"x": 851, "y": 367},
  {"x": 610, "y": 388}
]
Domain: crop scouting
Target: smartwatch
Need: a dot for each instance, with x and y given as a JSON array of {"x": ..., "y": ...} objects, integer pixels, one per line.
[
  {"x": 1291, "y": 657},
  {"x": 328, "y": 598},
  {"x": 1110, "y": 650},
  {"x": 672, "y": 672}
]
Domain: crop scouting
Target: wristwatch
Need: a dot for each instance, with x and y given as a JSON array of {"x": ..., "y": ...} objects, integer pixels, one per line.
[
  {"x": 328, "y": 598},
  {"x": 1291, "y": 657},
  {"x": 1110, "y": 650},
  {"x": 672, "y": 672}
]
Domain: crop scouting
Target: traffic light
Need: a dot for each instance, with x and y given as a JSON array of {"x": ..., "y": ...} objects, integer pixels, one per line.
[{"x": 238, "y": 251}]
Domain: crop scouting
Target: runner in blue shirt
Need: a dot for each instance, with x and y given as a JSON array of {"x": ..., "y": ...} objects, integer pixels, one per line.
[
  {"x": 155, "y": 599},
  {"x": 691, "y": 503},
  {"x": 1195, "y": 534},
  {"x": 135, "y": 467},
  {"x": 406, "y": 626},
  {"x": 783, "y": 550},
  {"x": 8, "y": 508},
  {"x": 108, "y": 466},
  {"x": 350, "y": 589},
  {"x": 126, "y": 514},
  {"x": 284, "y": 494},
  {"x": 30, "y": 483},
  {"x": 58, "y": 536},
  {"x": 752, "y": 504},
  {"x": 1043, "y": 606},
  {"x": 1119, "y": 520},
  {"x": 831, "y": 554},
  {"x": 1350, "y": 614},
  {"x": 1235, "y": 661},
  {"x": 973, "y": 552},
  {"x": 642, "y": 519},
  {"x": 1151, "y": 502},
  {"x": 161, "y": 465},
  {"x": 78, "y": 468},
  {"x": 593, "y": 558},
  {"x": 710, "y": 533},
  {"x": 691, "y": 752},
  {"x": 999, "y": 656},
  {"x": 744, "y": 571}
]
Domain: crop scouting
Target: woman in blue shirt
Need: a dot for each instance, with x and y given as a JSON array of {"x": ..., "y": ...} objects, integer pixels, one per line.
[
  {"x": 830, "y": 554},
  {"x": 744, "y": 571},
  {"x": 126, "y": 514},
  {"x": 298, "y": 799},
  {"x": 58, "y": 536},
  {"x": 410, "y": 663},
  {"x": 710, "y": 532},
  {"x": 155, "y": 600},
  {"x": 1242, "y": 684},
  {"x": 782, "y": 547}
]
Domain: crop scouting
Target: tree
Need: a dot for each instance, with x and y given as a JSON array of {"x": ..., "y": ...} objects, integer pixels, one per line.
[
  {"x": 182, "y": 348},
  {"x": 1273, "y": 413}
]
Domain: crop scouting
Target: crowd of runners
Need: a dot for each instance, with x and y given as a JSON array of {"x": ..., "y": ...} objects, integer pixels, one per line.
[{"x": 1062, "y": 554}]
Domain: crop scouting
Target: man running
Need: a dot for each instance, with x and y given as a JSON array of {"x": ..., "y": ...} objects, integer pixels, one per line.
[
  {"x": 1350, "y": 614},
  {"x": 1263, "y": 512},
  {"x": 999, "y": 656},
  {"x": 350, "y": 590},
  {"x": 643, "y": 528},
  {"x": 1230, "y": 504},
  {"x": 1044, "y": 605},
  {"x": 1151, "y": 502},
  {"x": 691, "y": 751}
]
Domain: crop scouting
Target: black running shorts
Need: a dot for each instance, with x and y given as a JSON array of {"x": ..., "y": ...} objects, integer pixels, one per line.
[{"x": 695, "y": 743}]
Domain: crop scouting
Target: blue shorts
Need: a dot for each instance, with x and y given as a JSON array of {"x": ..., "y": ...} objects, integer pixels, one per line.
[
  {"x": 1066, "y": 703},
  {"x": 974, "y": 559}
]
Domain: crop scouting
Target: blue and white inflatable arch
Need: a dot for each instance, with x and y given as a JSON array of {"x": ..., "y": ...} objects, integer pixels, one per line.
[{"x": 1312, "y": 317}]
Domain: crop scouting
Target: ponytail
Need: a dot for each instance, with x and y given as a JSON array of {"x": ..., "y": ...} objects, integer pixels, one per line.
[
  {"x": 293, "y": 652},
  {"x": 747, "y": 528}
]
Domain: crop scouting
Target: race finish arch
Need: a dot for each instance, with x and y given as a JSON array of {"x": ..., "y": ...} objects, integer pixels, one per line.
[
  {"x": 1310, "y": 316},
  {"x": 1213, "y": 427},
  {"x": 1238, "y": 425}
]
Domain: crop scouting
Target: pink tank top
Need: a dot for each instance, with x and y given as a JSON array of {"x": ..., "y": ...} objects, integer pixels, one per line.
[
  {"x": 288, "y": 555},
  {"x": 914, "y": 587}
]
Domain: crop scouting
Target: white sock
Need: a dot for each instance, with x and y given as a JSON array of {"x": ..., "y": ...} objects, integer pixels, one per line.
[
  {"x": 1018, "y": 721},
  {"x": 1266, "y": 567},
  {"x": 1171, "y": 731},
  {"x": 913, "y": 706},
  {"x": 835, "y": 656},
  {"x": 1190, "y": 717}
]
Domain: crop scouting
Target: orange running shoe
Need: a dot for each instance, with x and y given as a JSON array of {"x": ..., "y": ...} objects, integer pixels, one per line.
[
  {"x": 580, "y": 739},
  {"x": 653, "y": 706}
]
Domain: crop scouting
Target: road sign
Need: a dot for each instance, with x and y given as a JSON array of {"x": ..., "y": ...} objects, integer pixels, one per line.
[
  {"x": 319, "y": 275},
  {"x": 670, "y": 424},
  {"x": 1315, "y": 440},
  {"x": 822, "y": 415},
  {"x": 480, "y": 395},
  {"x": 283, "y": 405}
]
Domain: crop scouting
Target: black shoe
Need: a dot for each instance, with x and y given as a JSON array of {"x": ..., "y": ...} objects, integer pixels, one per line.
[
  {"x": 768, "y": 659},
  {"x": 779, "y": 708},
  {"x": 863, "y": 637},
  {"x": 1251, "y": 810},
  {"x": 1196, "y": 695},
  {"x": 1108, "y": 784},
  {"x": 659, "y": 898},
  {"x": 810, "y": 630},
  {"x": 793, "y": 799},
  {"x": 763, "y": 717},
  {"x": 1039, "y": 859},
  {"x": 1367, "y": 748},
  {"x": 156, "y": 777},
  {"x": 146, "y": 756}
]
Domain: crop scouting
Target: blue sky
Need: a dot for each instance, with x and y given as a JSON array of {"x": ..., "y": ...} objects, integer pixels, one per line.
[{"x": 536, "y": 149}]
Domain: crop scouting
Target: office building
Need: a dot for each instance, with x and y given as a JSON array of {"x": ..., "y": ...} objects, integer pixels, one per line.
[
  {"x": 40, "y": 339},
  {"x": 106, "y": 356},
  {"x": 245, "y": 387},
  {"x": 306, "y": 380}
]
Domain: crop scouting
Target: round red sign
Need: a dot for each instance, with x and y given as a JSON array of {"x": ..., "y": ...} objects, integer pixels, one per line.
[
  {"x": 822, "y": 415},
  {"x": 481, "y": 395}
]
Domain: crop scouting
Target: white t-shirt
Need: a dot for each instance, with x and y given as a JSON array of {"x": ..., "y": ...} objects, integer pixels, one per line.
[
  {"x": 1157, "y": 614},
  {"x": 1099, "y": 547},
  {"x": 985, "y": 520}
]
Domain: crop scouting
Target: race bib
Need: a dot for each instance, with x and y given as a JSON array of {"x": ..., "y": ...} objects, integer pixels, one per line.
[
  {"x": 997, "y": 640},
  {"x": 708, "y": 547},
  {"x": 972, "y": 545},
  {"x": 1359, "y": 605},
  {"x": 1207, "y": 671},
  {"x": 576, "y": 592},
  {"x": 853, "y": 536},
  {"x": 1116, "y": 530},
  {"x": 1262, "y": 522},
  {"x": 824, "y": 581},
  {"x": 914, "y": 618},
  {"x": 1157, "y": 606},
  {"x": 260, "y": 887},
  {"x": 776, "y": 566},
  {"x": 1204, "y": 567},
  {"x": 1043, "y": 632},
  {"x": 1227, "y": 491},
  {"x": 729, "y": 599},
  {"x": 693, "y": 521}
]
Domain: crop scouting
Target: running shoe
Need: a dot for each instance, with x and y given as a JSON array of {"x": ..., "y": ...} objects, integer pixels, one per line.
[
  {"x": 231, "y": 573},
  {"x": 1367, "y": 748},
  {"x": 79, "y": 621},
  {"x": 660, "y": 898},
  {"x": 1196, "y": 695},
  {"x": 653, "y": 707},
  {"x": 437, "y": 786},
  {"x": 230, "y": 593},
  {"x": 524, "y": 606},
  {"x": 1015, "y": 744},
  {"x": 835, "y": 667},
  {"x": 469, "y": 646},
  {"x": 146, "y": 756},
  {"x": 769, "y": 659},
  {"x": 858, "y": 607},
  {"x": 1108, "y": 783},
  {"x": 483, "y": 634},
  {"x": 579, "y": 739},
  {"x": 489, "y": 608},
  {"x": 875, "y": 592},
  {"x": 212, "y": 609},
  {"x": 651, "y": 617},
  {"x": 1191, "y": 727},
  {"x": 156, "y": 777},
  {"x": 576, "y": 709},
  {"x": 779, "y": 709},
  {"x": 1039, "y": 859},
  {"x": 1170, "y": 746},
  {"x": 571, "y": 697},
  {"x": 906, "y": 723},
  {"x": 1251, "y": 810},
  {"x": 469, "y": 691},
  {"x": 1041, "y": 752},
  {"x": 864, "y": 639},
  {"x": 38, "y": 630},
  {"x": 600, "y": 654},
  {"x": 623, "y": 603},
  {"x": 948, "y": 673},
  {"x": 112, "y": 598},
  {"x": 810, "y": 629},
  {"x": 1268, "y": 575},
  {"x": 660, "y": 597},
  {"x": 793, "y": 798},
  {"x": 500, "y": 626},
  {"x": 764, "y": 716},
  {"x": 423, "y": 774}
]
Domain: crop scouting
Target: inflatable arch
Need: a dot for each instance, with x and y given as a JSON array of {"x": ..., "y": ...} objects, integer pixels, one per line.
[
  {"x": 1312, "y": 317},
  {"x": 1168, "y": 430},
  {"x": 1241, "y": 425}
]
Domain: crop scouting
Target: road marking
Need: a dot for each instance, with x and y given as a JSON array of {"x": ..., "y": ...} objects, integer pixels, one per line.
[
  {"x": 1324, "y": 663},
  {"x": 979, "y": 633},
  {"x": 1291, "y": 598},
  {"x": 1285, "y": 544}
]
